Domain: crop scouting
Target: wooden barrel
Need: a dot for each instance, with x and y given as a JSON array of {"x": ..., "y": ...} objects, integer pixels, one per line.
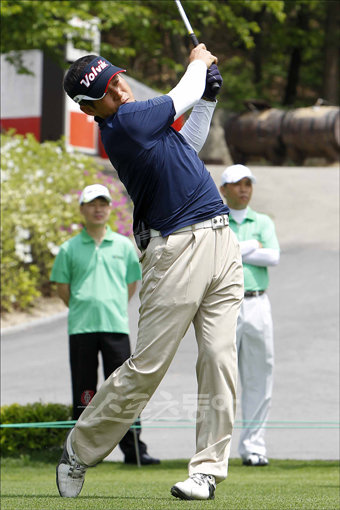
[
  {"x": 255, "y": 134},
  {"x": 277, "y": 135},
  {"x": 312, "y": 132}
]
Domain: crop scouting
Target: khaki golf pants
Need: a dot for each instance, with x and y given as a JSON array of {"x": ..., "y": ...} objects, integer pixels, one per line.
[{"x": 194, "y": 276}]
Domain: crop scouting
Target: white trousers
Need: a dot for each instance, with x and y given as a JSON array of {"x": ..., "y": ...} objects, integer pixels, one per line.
[
  {"x": 193, "y": 276},
  {"x": 255, "y": 346}
]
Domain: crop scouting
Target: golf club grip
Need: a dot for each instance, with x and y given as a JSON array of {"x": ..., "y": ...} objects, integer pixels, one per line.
[
  {"x": 194, "y": 39},
  {"x": 195, "y": 42}
]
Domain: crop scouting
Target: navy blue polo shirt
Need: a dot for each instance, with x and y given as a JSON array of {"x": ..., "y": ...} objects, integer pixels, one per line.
[{"x": 167, "y": 182}]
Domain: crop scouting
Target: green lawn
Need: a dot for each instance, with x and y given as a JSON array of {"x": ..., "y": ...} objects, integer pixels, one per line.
[{"x": 28, "y": 483}]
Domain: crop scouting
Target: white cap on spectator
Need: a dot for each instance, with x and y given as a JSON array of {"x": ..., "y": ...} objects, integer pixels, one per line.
[
  {"x": 235, "y": 173},
  {"x": 94, "y": 191}
]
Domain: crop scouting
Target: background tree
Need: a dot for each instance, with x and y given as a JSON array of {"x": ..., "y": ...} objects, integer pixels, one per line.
[
  {"x": 331, "y": 75},
  {"x": 284, "y": 52}
]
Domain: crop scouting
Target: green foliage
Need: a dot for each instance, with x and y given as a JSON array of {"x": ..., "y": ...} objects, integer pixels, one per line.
[
  {"x": 149, "y": 39},
  {"x": 238, "y": 71},
  {"x": 16, "y": 441},
  {"x": 303, "y": 30},
  {"x": 39, "y": 25},
  {"x": 41, "y": 184},
  {"x": 141, "y": 33}
]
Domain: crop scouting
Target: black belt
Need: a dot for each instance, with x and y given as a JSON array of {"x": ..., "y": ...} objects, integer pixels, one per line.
[{"x": 254, "y": 293}]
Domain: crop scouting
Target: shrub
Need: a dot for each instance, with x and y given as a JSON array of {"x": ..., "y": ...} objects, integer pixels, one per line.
[
  {"x": 41, "y": 184},
  {"x": 16, "y": 441}
]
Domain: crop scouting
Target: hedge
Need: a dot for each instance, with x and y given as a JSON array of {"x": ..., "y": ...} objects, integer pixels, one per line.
[
  {"x": 17, "y": 441},
  {"x": 40, "y": 188}
]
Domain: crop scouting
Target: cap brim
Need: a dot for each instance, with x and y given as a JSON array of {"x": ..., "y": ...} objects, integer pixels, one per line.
[
  {"x": 250, "y": 177},
  {"x": 104, "y": 80},
  {"x": 87, "y": 201},
  {"x": 93, "y": 81}
]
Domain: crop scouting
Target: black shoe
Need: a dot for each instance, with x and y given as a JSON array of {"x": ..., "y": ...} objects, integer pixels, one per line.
[
  {"x": 254, "y": 459},
  {"x": 145, "y": 460}
]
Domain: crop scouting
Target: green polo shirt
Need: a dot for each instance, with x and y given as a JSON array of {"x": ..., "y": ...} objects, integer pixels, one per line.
[
  {"x": 98, "y": 278},
  {"x": 260, "y": 227}
]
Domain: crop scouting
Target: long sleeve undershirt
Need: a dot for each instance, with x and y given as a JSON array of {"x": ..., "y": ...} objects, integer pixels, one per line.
[
  {"x": 261, "y": 256},
  {"x": 187, "y": 94},
  {"x": 196, "y": 128},
  {"x": 250, "y": 250}
]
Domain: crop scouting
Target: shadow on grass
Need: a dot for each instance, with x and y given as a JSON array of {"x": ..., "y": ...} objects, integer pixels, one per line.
[
  {"x": 307, "y": 464},
  {"x": 87, "y": 497},
  {"x": 286, "y": 464},
  {"x": 165, "y": 464}
]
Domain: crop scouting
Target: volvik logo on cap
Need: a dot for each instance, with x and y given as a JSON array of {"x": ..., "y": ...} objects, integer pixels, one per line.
[
  {"x": 89, "y": 77},
  {"x": 93, "y": 82}
]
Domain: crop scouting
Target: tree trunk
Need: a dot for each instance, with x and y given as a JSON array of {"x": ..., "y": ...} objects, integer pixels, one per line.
[
  {"x": 295, "y": 62},
  {"x": 293, "y": 76},
  {"x": 331, "y": 76},
  {"x": 258, "y": 49}
]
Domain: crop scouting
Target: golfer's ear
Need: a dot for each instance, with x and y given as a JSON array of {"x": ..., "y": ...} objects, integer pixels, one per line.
[{"x": 88, "y": 110}]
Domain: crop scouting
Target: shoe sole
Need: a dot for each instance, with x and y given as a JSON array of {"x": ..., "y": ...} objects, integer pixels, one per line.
[
  {"x": 62, "y": 495},
  {"x": 175, "y": 491},
  {"x": 179, "y": 494},
  {"x": 56, "y": 479}
]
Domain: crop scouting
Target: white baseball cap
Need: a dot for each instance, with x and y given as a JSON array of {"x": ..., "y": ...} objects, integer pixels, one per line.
[
  {"x": 94, "y": 191},
  {"x": 235, "y": 173}
]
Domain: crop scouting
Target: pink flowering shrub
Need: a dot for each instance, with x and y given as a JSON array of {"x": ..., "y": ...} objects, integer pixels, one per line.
[{"x": 40, "y": 189}]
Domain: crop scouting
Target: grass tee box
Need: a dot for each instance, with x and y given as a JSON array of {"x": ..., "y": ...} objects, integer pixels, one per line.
[{"x": 29, "y": 483}]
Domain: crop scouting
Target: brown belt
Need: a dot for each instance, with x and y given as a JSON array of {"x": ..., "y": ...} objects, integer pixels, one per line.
[{"x": 254, "y": 293}]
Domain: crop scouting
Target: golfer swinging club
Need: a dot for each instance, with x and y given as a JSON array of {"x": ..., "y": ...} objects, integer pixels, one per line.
[{"x": 192, "y": 269}]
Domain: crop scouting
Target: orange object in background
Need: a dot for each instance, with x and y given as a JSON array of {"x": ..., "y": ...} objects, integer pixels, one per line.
[{"x": 83, "y": 130}]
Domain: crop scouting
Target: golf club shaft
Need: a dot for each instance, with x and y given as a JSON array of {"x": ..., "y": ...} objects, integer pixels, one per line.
[
  {"x": 187, "y": 23},
  {"x": 190, "y": 31}
]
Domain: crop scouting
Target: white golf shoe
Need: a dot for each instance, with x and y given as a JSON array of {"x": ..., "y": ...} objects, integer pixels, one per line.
[
  {"x": 70, "y": 473},
  {"x": 197, "y": 486}
]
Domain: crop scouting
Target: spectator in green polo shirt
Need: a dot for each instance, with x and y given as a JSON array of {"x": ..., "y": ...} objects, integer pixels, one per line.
[
  {"x": 254, "y": 335},
  {"x": 96, "y": 273}
]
